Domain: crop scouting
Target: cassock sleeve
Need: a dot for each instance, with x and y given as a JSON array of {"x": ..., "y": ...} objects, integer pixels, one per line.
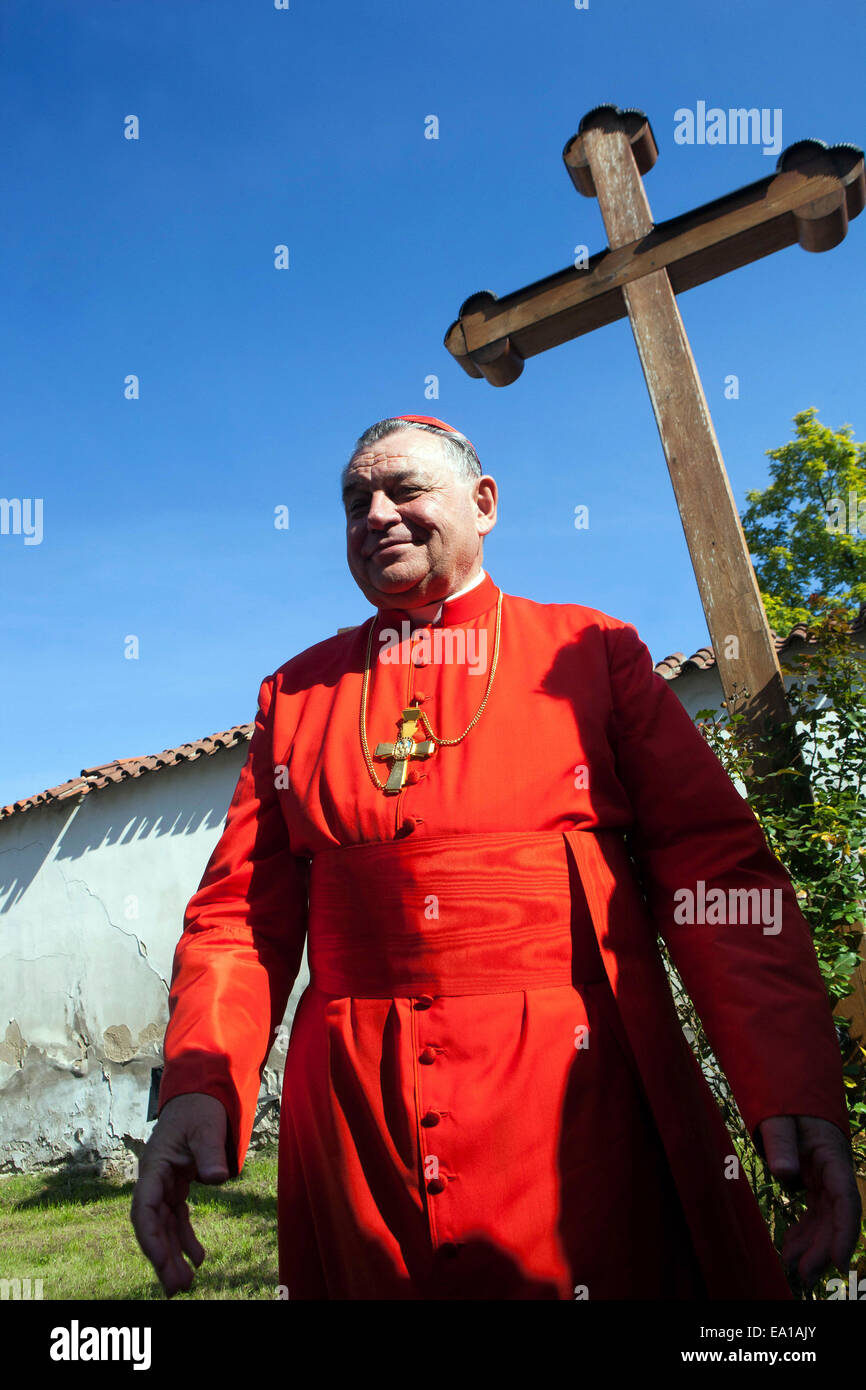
[
  {"x": 756, "y": 985},
  {"x": 241, "y": 948}
]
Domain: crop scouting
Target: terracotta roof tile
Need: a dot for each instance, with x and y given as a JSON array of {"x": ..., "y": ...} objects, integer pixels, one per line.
[
  {"x": 705, "y": 658},
  {"x": 93, "y": 779}
]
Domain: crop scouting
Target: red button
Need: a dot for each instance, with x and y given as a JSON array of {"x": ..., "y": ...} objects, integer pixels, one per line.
[
  {"x": 430, "y": 1119},
  {"x": 423, "y": 1001},
  {"x": 435, "y": 1185},
  {"x": 420, "y": 696},
  {"x": 427, "y": 1055},
  {"x": 415, "y": 776},
  {"x": 408, "y": 825}
]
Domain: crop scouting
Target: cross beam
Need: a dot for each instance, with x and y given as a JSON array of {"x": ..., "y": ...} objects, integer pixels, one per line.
[{"x": 810, "y": 199}]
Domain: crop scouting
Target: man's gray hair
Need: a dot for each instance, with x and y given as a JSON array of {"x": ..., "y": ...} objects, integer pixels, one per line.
[{"x": 457, "y": 449}]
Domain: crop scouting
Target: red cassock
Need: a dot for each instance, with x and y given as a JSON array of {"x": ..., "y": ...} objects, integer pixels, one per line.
[{"x": 487, "y": 1092}]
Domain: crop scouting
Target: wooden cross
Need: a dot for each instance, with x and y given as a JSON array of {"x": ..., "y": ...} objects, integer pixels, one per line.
[
  {"x": 403, "y": 749},
  {"x": 810, "y": 199}
]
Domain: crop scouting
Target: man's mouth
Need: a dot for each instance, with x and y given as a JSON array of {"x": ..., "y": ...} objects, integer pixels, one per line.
[{"x": 387, "y": 545}]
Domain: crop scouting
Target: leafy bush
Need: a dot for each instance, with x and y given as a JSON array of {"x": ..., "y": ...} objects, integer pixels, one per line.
[{"x": 821, "y": 840}]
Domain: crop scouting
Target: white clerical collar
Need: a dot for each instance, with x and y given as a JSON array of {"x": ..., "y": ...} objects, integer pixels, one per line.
[{"x": 431, "y": 612}]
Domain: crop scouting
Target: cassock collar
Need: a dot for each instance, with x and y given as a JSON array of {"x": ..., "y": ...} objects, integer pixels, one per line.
[{"x": 453, "y": 611}]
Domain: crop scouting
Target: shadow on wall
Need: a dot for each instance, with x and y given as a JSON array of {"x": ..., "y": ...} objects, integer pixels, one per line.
[{"x": 174, "y": 802}]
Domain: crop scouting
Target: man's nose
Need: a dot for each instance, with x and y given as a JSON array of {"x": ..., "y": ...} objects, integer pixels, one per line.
[{"x": 381, "y": 512}]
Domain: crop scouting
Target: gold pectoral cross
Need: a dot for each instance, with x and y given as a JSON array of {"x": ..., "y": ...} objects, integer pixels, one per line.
[{"x": 404, "y": 748}]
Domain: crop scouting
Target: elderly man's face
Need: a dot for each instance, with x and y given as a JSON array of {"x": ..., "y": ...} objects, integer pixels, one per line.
[{"x": 414, "y": 528}]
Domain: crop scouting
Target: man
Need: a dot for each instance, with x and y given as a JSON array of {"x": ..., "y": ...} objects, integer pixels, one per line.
[{"x": 487, "y": 1093}]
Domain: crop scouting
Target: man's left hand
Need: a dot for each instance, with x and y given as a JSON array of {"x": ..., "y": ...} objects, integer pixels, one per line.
[{"x": 805, "y": 1151}]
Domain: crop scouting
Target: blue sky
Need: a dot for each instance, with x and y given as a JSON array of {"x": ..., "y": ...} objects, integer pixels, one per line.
[{"x": 306, "y": 127}]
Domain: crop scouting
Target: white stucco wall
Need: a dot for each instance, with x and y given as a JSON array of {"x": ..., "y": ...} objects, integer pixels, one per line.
[{"x": 92, "y": 897}]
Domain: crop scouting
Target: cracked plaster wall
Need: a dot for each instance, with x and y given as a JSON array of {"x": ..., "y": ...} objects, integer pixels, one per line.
[{"x": 92, "y": 897}]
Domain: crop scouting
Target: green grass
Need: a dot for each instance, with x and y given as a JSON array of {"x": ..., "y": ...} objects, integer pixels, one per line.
[{"x": 74, "y": 1233}]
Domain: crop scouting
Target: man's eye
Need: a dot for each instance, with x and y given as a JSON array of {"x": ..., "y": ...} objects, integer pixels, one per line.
[{"x": 402, "y": 493}]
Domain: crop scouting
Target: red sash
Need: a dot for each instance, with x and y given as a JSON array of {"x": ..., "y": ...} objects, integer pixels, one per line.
[{"x": 453, "y": 914}]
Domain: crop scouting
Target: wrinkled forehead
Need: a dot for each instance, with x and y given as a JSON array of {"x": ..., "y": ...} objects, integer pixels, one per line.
[{"x": 397, "y": 457}]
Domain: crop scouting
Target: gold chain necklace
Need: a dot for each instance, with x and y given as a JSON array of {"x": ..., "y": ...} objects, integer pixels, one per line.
[{"x": 406, "y": 747}]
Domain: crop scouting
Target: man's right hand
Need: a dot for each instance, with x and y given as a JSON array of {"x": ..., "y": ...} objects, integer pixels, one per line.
[{"x": 188, "y": 1143}]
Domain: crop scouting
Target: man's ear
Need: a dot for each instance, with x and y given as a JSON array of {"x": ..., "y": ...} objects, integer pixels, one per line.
[{"x": 486, "y": 502}]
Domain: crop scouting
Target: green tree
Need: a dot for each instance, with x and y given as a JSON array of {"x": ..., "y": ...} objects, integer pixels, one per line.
[{"x": 807, "y": 530}]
